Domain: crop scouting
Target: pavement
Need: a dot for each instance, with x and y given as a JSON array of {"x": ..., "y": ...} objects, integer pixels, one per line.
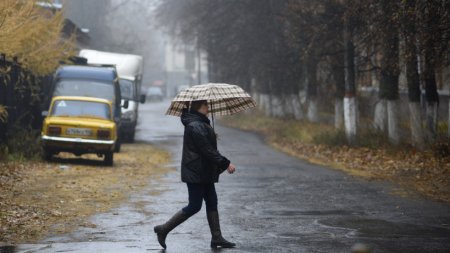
[{"x": 273, "y": 203}]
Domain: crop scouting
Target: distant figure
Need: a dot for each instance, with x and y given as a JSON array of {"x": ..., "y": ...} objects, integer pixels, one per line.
[{"x": 201, "y": 166}]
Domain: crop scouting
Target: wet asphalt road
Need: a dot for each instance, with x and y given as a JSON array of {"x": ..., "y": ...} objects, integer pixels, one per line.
[{"x": 273, "y": 203}]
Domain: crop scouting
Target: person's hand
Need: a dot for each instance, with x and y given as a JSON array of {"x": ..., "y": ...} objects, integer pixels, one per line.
[{"x": 231, "y": 168}]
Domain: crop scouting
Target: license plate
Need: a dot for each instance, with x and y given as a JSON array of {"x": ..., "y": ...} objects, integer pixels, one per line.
[{"x": 79, "y": 131}]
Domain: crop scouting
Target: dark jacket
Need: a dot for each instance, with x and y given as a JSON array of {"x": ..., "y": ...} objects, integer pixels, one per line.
[{"x": 201, "y": 161}]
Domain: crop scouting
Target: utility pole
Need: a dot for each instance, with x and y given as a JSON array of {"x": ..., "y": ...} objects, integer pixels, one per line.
[{"x": 199, "y": 61}]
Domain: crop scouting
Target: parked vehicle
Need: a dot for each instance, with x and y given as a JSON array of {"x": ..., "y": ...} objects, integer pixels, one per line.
[
  {"x": 155, "y": 93},
  {"x": 129, "y": 69},
  {"x": 79, "y": 125},
  {"x": 129, "y": 115},
  {"x": 91, "y": 81}
]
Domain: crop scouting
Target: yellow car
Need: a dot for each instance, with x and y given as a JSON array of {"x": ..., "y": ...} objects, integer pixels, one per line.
[{"x": 79, "y": 125}]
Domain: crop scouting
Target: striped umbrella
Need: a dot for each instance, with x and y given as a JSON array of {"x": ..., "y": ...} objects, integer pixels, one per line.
[{"x": 223, "y": 99}]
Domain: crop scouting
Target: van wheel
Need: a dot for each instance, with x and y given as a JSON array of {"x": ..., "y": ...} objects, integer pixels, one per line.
[{"x": 108, "y": 160}]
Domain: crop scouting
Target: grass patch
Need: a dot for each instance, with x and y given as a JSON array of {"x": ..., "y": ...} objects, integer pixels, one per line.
[
  {"x": 303, "y": 131},
  {"x": 427, "y": 172}
]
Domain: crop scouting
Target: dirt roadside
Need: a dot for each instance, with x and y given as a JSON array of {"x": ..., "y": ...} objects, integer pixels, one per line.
[{"x": 37, "y": 198}]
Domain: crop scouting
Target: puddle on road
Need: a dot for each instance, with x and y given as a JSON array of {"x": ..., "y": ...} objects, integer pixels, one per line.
[
  {"x": 7, "y": 249},
  {"x": 386, "y": 229},
  {"x": 308, "y": 213}
]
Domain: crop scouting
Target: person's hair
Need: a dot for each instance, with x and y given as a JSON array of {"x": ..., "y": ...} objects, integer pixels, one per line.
[{"x": 195, "y": 105}]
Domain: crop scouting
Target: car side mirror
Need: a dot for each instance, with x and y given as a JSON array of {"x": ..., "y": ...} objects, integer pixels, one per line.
[
  {"x": 44, "y": 114},
  {"x": 142, "y": 99},
  {"x": 126, "y": 104}
]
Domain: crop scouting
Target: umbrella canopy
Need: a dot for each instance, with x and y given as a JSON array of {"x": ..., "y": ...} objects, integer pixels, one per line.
[{"x": 223, "y": 99}]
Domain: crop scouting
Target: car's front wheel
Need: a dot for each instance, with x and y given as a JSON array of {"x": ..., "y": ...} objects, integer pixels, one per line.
[
  {"x": 118, "y": 144},
  {"x": 47, "y": 155},
  {"x": 108, "y": 159}
]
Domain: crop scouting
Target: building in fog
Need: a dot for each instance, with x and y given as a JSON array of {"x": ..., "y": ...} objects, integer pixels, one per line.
[
  {"x": 184, "y": 65},
  {"x": 121, "y": 27},
  {"x": 70, "y": 27},
  {"x": 88, "y": 15}
]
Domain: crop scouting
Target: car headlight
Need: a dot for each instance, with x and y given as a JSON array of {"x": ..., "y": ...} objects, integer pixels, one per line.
[{"x": 130, "y": 115}]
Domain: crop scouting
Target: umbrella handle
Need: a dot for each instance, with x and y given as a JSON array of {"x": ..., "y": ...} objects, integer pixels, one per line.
[{"x": 212, "y": 114}]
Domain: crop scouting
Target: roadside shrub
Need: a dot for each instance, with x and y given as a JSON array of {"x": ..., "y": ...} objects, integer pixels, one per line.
[
  {"x": 3, "y": 152},
  {"x": 22, "y": 143},
  {"x": 3, "y": 114},
  {"x": 442, "y": 129},
  {"x": 441, "y": 149},
  {"x": 331, "y": 138},
  {"x": 372, "y": 138}
]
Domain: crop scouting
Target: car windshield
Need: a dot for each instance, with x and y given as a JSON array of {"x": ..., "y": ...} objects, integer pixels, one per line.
[
  {"x": 85, "y": 88},
  {"x": 127, "y": 89},
  {"x": 77, "y": 108}
]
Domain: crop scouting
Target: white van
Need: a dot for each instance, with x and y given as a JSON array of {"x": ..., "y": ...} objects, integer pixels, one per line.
[{"x": 129, "y": 69}]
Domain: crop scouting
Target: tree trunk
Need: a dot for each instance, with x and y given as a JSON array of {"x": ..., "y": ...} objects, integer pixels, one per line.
[
  {"x": 338, "y": 113},
  {"x": 430, "y": 42},
  {"x": 392, "y": 113},
  {"x": 350, "y": 109},
  {"x": 415, "y": 121},
  {"x": 311, "y": 71},
  {"x": 254, "y": 89},
  {"x": 261, "y": 102},
  {"x": 432, "y": 120},
  {"x": 265, "y": 103},
  {"x": 297, "y": 106},
  {"x": 389, "y": 72},
  {"x": 269, "y": 111},
  {"x": 277, "y": 106},
  {"x": 338, "y": 62},
  {"x": 350, "y": 112},
  {"x": 431, "y": 96},
  {"x": 380, "y": 119},
  {"x": 412, "y": 75},
  {"x": 448, "y": 121},
  {"x": 313, "y": 115},
  {"x": 287, "y": 106},
  {"x": 393, "y": 126}
]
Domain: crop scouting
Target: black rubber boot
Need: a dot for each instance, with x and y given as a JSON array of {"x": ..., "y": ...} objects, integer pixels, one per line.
[
  {"x": 217, "y": 240},
  {"x": 164, "y": 229}
]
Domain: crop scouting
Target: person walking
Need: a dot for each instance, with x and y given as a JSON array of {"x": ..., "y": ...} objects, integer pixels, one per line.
[{"x": 201, "y": 165}]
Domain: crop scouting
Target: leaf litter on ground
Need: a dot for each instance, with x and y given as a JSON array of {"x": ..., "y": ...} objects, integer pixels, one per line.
[{"x": 37, "y": 198}]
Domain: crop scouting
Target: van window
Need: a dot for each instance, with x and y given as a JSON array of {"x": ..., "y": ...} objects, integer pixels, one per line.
[
  {"x": 76, "y": 108},
  {"x": 85, "y": 88},
  {"x": 127, "y": 89}
]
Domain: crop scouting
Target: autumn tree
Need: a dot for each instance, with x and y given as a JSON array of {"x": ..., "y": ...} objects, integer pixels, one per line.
[
  {"x": 30, "y": 36},
  {"x": 33, "y": 36}
]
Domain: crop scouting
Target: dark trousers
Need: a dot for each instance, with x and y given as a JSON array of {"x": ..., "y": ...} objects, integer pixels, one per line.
[{"x": 198, "y": 193}]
